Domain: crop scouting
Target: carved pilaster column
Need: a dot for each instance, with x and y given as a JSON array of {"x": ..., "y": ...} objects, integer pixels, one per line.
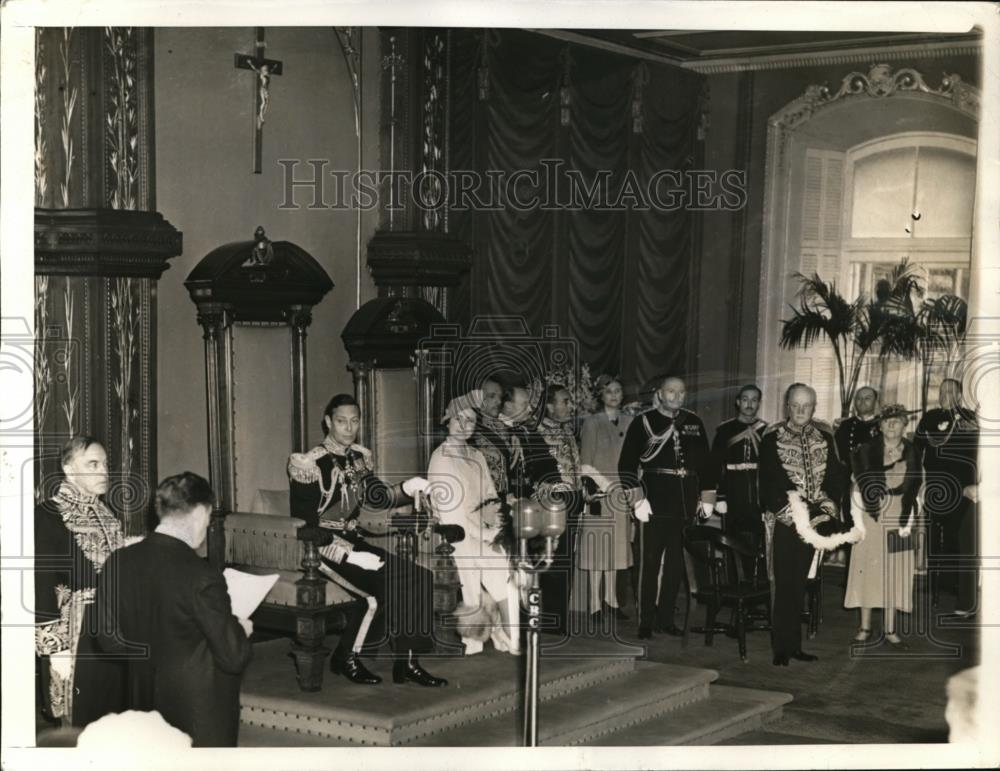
[
  {"x": 216, "y": 321},
  {"x": 426, "y": 413},
  {"x": 299, "y": 318},
  {"x": 363, "y": 393}
]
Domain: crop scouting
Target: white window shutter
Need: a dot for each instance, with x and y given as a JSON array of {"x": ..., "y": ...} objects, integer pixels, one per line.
[{"x": 819, "y": 252}]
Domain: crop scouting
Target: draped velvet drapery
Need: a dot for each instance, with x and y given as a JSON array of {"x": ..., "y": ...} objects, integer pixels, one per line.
[{"x": 614, "y": 278}]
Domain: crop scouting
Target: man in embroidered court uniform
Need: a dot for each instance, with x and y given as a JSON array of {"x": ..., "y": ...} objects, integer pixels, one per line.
[
  {"x": 492, "y": 436},
  {"x": 801, "y": 480},
  {"x": 75, "y": 532},
  {"x": 665, "y": 464},
  {"x": 328, "y": 486},
  {"x": 557, "y": 430},
  {"x": 533, "y": 469}
]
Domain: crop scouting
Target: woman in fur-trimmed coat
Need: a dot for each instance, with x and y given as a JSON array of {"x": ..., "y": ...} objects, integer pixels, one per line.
[{"x": 886, "y": 477}]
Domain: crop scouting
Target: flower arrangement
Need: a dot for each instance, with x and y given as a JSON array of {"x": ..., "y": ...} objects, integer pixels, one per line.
[{"x": 581, "y": 389}]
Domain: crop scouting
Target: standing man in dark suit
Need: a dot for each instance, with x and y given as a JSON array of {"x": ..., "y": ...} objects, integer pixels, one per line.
[{"x": 167, "y": 612}]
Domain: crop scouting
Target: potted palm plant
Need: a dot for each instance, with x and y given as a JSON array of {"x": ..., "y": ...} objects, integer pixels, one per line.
[
  {"x": 942, "y": 324},
  {"x": 885, "y": 325}
]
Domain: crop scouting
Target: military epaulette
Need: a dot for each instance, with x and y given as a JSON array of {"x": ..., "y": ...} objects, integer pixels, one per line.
[
  {"x": 823, "y": 426},
  {"x": 772, "y": 428},
  {"x": 302, "y": 465},
  {"x": 366, "y": 454}
]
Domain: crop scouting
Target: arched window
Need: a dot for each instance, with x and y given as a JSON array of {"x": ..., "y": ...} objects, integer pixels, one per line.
[{"x": 882, "y": 169}]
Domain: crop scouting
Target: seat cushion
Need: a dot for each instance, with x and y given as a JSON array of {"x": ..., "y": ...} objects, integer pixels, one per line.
[{"x": 263, "y": 541}]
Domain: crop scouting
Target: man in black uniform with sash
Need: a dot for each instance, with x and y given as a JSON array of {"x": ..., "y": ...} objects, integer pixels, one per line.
[
  {"x": 948, "y": 440},
  {"x": 853, "y": 432},
  {"x": 735, "y": 450},
  {"x": 801, "y": 479},
  {"x": 665, "y": 463},
  {"x": 328, "y": 486}
]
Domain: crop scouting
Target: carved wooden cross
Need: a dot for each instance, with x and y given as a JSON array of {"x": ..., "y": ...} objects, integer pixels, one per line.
[{"x": 264, "y": 69}]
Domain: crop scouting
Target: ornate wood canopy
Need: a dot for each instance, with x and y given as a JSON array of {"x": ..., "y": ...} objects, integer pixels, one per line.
[{"x": 250, "y": 282}]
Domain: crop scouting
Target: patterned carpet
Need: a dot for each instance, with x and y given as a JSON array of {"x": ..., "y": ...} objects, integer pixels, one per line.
[{"x": 853, "y": 694}]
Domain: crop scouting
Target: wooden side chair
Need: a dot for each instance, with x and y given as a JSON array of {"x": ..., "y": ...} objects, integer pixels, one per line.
[{"x": 716, "y": 581}]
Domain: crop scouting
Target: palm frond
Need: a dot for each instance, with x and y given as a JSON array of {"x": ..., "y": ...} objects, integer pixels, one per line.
[{"x": 803, "y": 328}]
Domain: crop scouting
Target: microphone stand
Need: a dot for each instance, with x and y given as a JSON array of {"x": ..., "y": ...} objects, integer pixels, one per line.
[{"x": 532, "y": 519}]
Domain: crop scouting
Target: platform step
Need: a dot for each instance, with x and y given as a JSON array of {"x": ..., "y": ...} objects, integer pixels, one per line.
[
  {"x": 484, "y": 687},
  {"x": 647, "y": 692},
  {"x": 726, "y": 713}
]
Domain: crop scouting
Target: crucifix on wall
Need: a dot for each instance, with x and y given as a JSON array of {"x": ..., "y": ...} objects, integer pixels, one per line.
[{"x": 264, "y": 69}]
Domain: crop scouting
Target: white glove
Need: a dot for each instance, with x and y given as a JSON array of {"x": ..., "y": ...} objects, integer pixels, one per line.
[
  {"x": 415, "y": 485},
  {"x": 904, "y": 532},
  {"x": 707, "y": 510},
  {"x": 365, "y": 560},
  {"x": 971, "y": 492},
  {"x": 247, "y": 625},
  {"x": 721, "y": 507},
  {"x": 643, "y": 511}
]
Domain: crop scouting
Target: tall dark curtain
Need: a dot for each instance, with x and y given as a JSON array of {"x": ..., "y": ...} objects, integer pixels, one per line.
[
  {"x": 616, "y": 281},
  {"x": 599, "y": 138}
]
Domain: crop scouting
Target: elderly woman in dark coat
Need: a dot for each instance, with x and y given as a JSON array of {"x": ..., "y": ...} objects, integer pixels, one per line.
[{"x": 886, "y": 481}]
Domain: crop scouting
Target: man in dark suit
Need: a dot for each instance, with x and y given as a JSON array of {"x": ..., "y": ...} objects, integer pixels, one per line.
[{"x": 167, "y": 613}]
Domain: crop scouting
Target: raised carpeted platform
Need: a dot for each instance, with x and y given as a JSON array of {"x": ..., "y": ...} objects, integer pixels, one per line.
[{"x": 592, "y": 692}]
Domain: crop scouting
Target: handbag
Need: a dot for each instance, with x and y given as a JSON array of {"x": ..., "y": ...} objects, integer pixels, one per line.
[{"x": 896, "y": 543}]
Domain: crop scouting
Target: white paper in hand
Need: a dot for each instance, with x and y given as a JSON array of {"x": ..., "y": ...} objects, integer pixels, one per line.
[{"x": 247, "y": 590}]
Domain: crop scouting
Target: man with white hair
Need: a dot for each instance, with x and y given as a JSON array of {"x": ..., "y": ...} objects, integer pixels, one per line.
[
  {"x": 75, "y": 533},
  {"x": 666, "y": 465},
  {"x": 801, "y": 479}
]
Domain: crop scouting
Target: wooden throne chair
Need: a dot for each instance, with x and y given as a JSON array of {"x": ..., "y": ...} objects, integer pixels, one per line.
[
  {"x": 272, "y": 285},
  {"x": 276, "y": 284}
]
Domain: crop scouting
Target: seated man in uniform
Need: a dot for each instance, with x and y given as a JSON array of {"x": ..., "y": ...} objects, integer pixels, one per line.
[{"x": 328, "y": 486}]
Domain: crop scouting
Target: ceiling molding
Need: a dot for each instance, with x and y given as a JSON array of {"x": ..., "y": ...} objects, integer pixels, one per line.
[
  {"x": 817, "y": 58},
  {"x": 607, "y": 45},
  {"x": 829, "y": 54}
]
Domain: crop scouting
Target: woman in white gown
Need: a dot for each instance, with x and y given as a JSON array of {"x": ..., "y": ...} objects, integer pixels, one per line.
[{"x": 462, "y": 493}]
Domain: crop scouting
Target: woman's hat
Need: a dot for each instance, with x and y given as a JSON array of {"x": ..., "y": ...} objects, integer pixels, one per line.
[
  {"x": 473, "y": 400},
  {"x": 894, "y": 411},
  {"x": 603, "y": 381}
]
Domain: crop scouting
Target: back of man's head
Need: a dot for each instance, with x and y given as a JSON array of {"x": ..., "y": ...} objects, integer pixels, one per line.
[{"x": 179, "y": 495}]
